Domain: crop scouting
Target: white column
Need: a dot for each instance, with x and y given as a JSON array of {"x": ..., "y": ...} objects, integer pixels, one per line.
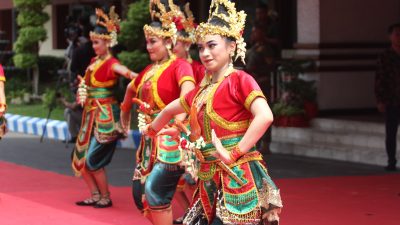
[{"x": 308, "y": 21}]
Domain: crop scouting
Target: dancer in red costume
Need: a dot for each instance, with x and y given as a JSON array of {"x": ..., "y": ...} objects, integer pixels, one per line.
[
  {"x": 158, "y": 159},
  {"x": 228, "y": 115},
  {"x": 100, "y": 128},
  {"x": 184, "y": 22}
]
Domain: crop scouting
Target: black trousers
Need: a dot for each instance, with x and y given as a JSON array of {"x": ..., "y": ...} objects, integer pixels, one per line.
[{"x": 392, "y": 122}]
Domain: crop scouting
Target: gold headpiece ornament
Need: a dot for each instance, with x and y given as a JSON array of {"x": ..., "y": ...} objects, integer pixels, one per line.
[
  {"x": 110, "y": 22},
  {"x": 159, "y": 11},
  {"x": 229, "y": 15},
  {"x": 189, "y": 25},
  {"x": 184, "y": 22}
]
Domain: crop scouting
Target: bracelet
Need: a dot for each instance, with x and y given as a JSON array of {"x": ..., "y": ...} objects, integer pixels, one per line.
[
  {"x": 235, "y": 154},
  {"x": 125, "y": 107},
  {"x": 150, "y": 131},
  {"x": 129, "y": 74}
]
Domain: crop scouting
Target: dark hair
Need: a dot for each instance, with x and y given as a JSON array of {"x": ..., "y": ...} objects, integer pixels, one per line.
[
  {"x": 216, "y": 21},
  {"x": 156, "y": 24},
  {"x": 392, "y": 27},
  {"x": 183, "y": 33},
  {"x": 263, "y": 6},
  {"x": 100, "y": 30}
]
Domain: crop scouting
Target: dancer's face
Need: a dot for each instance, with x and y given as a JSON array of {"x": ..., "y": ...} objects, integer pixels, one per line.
[
  {"x": 180, "y": 49},
  {"x": 100, "y": 46},
  {"x": 214, "y": 51},
  {"x": 156, "y": 47}
]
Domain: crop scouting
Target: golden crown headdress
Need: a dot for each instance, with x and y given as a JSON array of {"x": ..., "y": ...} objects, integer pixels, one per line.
[
  {"x": 225, "y": 10},
  {"x": 184, "y": 22},
  {"x": 110, "y": 22},
  {"x": 159, "y": 11}
]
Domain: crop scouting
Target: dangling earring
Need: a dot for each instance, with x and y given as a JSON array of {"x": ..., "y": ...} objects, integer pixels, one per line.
[
  {"x": 169, "y": 47},
  {"x": 232, "y": 54}
]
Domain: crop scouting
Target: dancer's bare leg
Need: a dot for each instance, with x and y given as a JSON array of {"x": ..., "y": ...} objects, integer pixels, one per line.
[
  {"x": 94, "y": 190},
  {"x": 100, "y": 177},
  {"x": 162, "y": 216},
  {"x": 90, "y": 181}
]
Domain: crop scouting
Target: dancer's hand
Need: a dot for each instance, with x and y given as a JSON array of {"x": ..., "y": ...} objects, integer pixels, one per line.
[
  {"x": 148, "y": 130},
  {"x": 125, "y": 118},
  {"x": 221, "y": 153},
  {"x": 171, "y": 131}
]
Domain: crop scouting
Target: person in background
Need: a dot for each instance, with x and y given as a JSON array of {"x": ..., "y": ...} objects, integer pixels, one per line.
[
  {"x": 260, "y": 64},
  {"x": 270, "y": 26},
  {"x": 186, "y": 27},
  {"x": 184, "y": 22},
  {"x": 387, "y": 92},
  {"x": 80, "y": 60}
]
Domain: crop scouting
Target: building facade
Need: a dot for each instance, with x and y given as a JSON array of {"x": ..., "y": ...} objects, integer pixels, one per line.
[{"x": 343, "y": 37}]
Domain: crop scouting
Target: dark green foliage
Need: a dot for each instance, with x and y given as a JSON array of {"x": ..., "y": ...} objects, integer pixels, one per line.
[
  {"x": 30, "y": 20},
  {"x": 132, "y": 36},
  {"x": 295, "y": 92},
  {"x": 284, "y": 109},
  {"x": 136, "y": 60},
  {"x": 48, "y": 66},
  {"x": 25, "y": 60},
  {"x": 34, "y": 5},
  {"x": 28, "y": 39},
  {"x": 305, "y": 89}
]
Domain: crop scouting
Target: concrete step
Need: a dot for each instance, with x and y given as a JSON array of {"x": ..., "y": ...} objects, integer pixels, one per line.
[
  {"x": 353, "y": 141},
  {"x": 372, "y": 156},
  {"x": 317, "y": 136},
  {"x": 347, "y": 125}
]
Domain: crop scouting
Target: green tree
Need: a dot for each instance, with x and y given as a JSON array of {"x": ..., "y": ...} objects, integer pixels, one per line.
[
  {"x": 30, "y": 20},
  {"x": 132, "y": 36}
]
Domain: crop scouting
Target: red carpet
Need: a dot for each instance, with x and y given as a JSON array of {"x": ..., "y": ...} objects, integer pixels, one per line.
[{"x": 31, "y": 196}]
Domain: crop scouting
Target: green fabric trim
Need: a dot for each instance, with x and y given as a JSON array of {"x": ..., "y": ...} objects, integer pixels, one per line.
[
  {"x": 241, "y": 204},
  {"x": 99, "y": 93},
  {"x": 169, "y": 156}
]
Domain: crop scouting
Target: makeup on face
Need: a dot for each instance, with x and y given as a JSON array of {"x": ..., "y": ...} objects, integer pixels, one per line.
[
  {"x": 214, "y": 52},
  {"x": 100, "y": 46},
  {"x": 156, "y": 48}
]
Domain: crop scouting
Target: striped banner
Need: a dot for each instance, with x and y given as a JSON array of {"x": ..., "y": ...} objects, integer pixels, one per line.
[{"x": 56, "y": 129}]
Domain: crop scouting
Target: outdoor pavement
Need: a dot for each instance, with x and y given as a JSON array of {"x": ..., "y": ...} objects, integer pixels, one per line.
[{"x": 54, "y": 156}]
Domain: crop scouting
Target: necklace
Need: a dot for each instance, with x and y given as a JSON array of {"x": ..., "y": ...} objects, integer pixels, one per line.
[
  {"x": 156, "y": 66},
  {"x": 204, "y": 94}
]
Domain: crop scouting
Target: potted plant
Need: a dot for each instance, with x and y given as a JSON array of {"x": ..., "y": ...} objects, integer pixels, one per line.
[
  {"x": 306, "y": 95},
  {"x": 289, "y": 114},
  {"x": 297, "y": 103}
]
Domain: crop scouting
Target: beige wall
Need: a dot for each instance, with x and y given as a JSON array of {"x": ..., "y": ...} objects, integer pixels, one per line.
[
  {"x": 338, "y": 21},
  {"x": 357, "y": 20},
  {"x": 308, "y": 21},
  {"x": 330, "y": 29},
  {"x": 46, "y": 47}
]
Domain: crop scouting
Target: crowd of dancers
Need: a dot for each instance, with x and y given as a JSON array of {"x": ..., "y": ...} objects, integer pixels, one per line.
[{"x": 200, "y": 122}]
